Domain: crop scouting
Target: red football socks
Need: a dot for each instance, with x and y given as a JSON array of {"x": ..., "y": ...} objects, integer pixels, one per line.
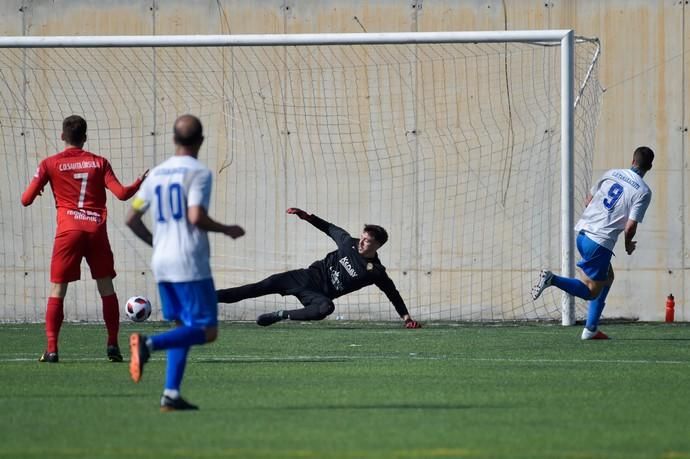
[
  {"x": 111, "y": 315},
  {"x": 54, "y": 317}
]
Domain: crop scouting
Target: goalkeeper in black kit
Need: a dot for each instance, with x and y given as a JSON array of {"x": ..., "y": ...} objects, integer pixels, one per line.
[{"x": 355, "y": 264}]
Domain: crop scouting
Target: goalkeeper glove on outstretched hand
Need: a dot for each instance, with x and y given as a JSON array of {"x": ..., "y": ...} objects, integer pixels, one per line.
[
  {"x": 299, "y": 212},
  {"x": 409, "y": 323}
]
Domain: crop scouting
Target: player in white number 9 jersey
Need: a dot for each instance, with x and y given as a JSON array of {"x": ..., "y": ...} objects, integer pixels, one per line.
[{"x": 616, "y": 203}]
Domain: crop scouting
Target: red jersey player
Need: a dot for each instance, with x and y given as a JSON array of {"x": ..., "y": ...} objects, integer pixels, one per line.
[{"x": 78, "y": 179}]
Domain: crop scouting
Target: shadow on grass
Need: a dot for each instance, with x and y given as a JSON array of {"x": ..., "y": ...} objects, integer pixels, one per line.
[
  {"x": 393, "y": 406},
  {"x": 99, "y": 396},
  {"x": 651, "y": 339},
  {"x": 281, "y": 360}
]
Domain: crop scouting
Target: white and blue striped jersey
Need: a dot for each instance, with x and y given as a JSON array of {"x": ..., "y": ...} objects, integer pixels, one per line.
[
  {"x": 181, "y": 251},
  {"x": 619, "y": 195}
]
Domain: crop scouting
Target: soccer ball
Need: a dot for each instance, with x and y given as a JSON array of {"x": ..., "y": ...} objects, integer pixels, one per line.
[{"x": 138, "y": 308}]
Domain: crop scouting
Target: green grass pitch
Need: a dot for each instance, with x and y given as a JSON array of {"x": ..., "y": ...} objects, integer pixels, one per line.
[{"x": 356, "y": 390}]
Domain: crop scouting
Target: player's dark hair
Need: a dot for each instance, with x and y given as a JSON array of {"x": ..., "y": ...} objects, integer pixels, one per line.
[
  {"x": 643, "y": 157},
  {"x": 74, "y": 130},
  {"x": 377, "y": 232},
  {"x": 187, "y": 131}
]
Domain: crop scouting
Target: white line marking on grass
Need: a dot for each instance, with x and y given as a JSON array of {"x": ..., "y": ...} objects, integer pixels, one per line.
[
  {"x": 578, "y": 361},
  {"x": 69, "y": 359},
  {"x": 352, "y": 358}
]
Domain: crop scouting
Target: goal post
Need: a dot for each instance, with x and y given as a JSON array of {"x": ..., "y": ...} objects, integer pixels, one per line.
[
  {"x": 452, "y": 140},
  {"x": 567, "y": 175}
]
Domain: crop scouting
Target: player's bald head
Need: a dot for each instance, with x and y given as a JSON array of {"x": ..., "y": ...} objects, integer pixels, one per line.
[{"x": 187, "y": 131}]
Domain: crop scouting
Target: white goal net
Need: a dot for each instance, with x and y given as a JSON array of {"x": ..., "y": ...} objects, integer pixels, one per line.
[{"x": 454, "y": 148}]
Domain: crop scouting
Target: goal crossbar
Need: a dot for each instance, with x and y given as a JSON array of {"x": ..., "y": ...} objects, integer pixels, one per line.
[{"x": 391, "y": 38}]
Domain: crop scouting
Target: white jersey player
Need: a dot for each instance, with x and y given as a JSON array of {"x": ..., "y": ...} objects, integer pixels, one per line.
[
  {"x": 619, "y": 195},
  {"x": 616, "y": 203},
  {"x": 178, "y": 193},
  {"x": 180, "y": 249}
]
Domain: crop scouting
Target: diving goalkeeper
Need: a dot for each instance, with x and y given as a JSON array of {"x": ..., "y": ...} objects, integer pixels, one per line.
[{"x": 354, "y": 265}]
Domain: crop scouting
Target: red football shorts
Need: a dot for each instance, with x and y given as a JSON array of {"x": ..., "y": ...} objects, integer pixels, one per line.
[{"x": 69, "y": 249}]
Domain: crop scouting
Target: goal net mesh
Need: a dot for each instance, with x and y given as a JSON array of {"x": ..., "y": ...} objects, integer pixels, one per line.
[{"x": 453, "y": 148}]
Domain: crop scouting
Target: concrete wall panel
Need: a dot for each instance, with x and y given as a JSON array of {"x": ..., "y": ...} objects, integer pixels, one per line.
[{"x": 644, "y": 68}]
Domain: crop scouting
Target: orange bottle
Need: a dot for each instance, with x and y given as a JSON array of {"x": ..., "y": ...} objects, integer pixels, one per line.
[{"x": 670, "y": 304}]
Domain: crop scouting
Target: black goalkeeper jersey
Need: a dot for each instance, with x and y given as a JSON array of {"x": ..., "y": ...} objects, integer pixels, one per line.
[{"x": 344, "y": 270}]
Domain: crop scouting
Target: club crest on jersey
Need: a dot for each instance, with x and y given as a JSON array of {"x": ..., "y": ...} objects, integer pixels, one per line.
[{"x": 348, "y": 267}]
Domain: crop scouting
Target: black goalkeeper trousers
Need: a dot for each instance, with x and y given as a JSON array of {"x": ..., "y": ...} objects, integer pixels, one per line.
[{"x": 300, "y": 283}]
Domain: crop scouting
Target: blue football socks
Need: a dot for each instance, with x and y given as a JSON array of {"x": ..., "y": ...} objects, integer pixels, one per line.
[
  {"x": 177, "y": 342},
  {"x": 174, "y": 370},
  {"x": 179, "y": 337},
  {"x": 573, "y": 286},
  {"x": 596, "y": 306}
]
